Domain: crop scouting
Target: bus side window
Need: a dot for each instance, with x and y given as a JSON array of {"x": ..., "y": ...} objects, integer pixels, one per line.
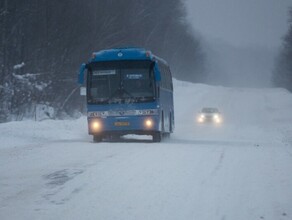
[
  {"x": 151, "y": 78},
  {"x": 169, "y": 79},
  {"x": 158, "y": 92},
  {"x": 164, "y": 83}
]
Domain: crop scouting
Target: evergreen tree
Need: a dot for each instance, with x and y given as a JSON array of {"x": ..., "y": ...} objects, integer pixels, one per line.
[{"x": 282, "y": 75}]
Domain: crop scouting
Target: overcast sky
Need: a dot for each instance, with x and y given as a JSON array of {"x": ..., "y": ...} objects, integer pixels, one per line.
[{"x": 241, "y": 22}]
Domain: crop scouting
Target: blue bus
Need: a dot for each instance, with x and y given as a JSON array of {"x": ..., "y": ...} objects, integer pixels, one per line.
[{"x": 128, "y": 91}]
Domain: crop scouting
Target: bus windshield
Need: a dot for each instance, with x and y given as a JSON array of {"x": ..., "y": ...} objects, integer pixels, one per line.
[{"x": 120, "y": 81}]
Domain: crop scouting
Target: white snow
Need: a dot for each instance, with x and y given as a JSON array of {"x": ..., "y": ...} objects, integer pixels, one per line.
[
  {"x": 19, "y": 66},
  {"x": 240, "y": 170},
  {"x": 41, "y": 86},
  {"x": 43, "y": 111},
  {"x": 28, "y": 77}
]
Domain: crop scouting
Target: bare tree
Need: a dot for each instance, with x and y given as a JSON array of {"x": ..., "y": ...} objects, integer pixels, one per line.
[{"x": 51, "y": 39}]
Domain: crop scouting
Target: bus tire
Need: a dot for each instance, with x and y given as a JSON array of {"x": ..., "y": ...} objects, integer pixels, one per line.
[
  {"x": 97, "y": 138},
  {"x": 157, "y": 136}
]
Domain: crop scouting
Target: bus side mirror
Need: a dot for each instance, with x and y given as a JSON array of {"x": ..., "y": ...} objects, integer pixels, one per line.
[
  {"x": 83, "y": 91},
  {"x": 156, "y": 72},
  {"x": 81, "y": 73}
]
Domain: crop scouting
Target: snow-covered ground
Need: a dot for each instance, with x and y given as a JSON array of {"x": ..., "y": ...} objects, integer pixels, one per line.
[{"x": 240, "y": 170}]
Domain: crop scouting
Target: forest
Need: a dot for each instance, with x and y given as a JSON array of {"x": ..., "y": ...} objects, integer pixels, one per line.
[{"x": 43, "y": 43}]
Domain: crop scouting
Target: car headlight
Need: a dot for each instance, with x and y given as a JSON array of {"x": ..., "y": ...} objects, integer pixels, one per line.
[
  {"x": 217, "y": 120},
  {"x": 201, "y": 118}
]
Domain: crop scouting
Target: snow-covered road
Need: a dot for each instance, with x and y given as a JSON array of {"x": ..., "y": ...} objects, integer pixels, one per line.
[{"x": 240, "y": 170}]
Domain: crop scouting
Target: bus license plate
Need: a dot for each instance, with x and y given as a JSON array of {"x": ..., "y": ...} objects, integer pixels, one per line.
[{"x": 122, "y": 123}]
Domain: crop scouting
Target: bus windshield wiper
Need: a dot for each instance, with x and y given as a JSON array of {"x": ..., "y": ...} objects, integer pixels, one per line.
[
  {"x": 124, "y": 91},
  {"x": 118, "y": 94},
  {"x": 113, "y": 95}
]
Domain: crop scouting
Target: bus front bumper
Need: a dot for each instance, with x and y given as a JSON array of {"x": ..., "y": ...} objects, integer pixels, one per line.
[{"x": 123, "y": 125}]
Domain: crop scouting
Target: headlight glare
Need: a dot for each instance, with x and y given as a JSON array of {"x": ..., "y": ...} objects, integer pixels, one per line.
[
  {"x": 216, "y": 116},
  {"x": 148, "y": 123},
  {"x": 218, "y": 120},
  {"x": 200, "y": 119},
  {"x": 95, "y": 125}
]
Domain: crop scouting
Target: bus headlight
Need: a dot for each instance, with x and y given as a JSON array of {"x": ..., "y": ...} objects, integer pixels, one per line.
[
  {"x": 148, "y": 123},
  {"x": 95, "y": 125}
]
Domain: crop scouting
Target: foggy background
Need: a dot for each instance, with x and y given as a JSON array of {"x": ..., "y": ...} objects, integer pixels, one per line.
[
  {"x": 236, "y": 43},
  {"x": 241, "y": 38}
]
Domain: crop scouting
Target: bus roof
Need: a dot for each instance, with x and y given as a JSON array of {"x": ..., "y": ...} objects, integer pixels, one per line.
[{"x": 130, "y": 53}]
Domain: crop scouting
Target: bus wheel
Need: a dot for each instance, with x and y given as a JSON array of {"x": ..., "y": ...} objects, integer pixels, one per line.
[
  {"x": 97, "y": 138},
  {"x": 156, "y": 136}
]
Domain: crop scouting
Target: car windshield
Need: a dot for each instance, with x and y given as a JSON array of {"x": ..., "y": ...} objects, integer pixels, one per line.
[
  {"x": 210, "y": 110},
  {"x": 121, "y": 81}
]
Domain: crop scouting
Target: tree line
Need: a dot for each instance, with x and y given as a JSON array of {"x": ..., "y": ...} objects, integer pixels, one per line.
[
  {"x": 42, "y": 44},
  {"x": 282, "y": 74}
]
